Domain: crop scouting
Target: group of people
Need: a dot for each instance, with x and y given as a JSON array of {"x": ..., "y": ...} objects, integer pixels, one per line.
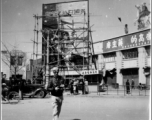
[{"x": 75, "y": 84}]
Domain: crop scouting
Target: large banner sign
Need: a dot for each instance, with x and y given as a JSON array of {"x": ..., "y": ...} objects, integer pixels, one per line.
[
  {"x": 71, "y": 17},
  {"x": 72, "y": 14},
  {"x": 68, "y": 24},
  {"x": 141, "y": 38}
]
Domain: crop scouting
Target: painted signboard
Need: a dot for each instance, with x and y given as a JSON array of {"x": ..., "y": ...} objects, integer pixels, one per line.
[
  {"x": 83, "y": 72},
  {"x": 67, "y": 22},
  {"x": 89, "y": 72},
  {"x": 141, "y": 38}
]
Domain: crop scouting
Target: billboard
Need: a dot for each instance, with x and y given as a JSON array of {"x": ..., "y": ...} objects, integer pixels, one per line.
[{"x": 68, "y": 25}]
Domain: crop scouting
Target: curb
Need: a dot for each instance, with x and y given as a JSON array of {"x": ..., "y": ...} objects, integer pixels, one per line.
[{"x": 110, "y": 96}]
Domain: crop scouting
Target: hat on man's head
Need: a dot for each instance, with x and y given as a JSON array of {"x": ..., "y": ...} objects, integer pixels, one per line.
[{"x": 55, "y": 69}]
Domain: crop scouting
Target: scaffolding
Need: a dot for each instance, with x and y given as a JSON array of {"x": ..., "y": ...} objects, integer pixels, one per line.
[{"x": 66, "y": 44}]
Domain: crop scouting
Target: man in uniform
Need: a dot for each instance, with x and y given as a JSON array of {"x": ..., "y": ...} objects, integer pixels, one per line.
[{"x": 56, "y": 87}]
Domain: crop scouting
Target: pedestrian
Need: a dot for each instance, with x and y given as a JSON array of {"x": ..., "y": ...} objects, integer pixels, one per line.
[
  {"x": 86, "y": 86},
  {"x": 127, "y": 87},
  {"x": 21, "y": 88},
  {"x": 133, "y": 84},
  {"x": 3, "y": 78},
  {"x": 4, "y": 91},
  {"x": 140, "y": 86},
  {"x": 75, "y": 87},
  {"x": 71, "y": 86},
  {"x": 81, "y": 83},
  {"x": 56, "y": 87}
]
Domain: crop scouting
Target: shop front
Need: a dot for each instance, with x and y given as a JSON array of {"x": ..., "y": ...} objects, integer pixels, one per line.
[{"x": 130, "y": 74}]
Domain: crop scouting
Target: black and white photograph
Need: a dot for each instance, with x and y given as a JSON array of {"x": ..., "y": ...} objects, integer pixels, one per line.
[{"x": 75, "y": 59}]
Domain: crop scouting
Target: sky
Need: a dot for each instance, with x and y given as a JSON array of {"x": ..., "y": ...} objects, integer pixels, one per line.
[{"x": 18, "y": 23}]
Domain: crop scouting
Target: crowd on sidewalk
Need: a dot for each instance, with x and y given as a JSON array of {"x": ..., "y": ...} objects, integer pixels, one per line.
[{"x": 76, "y": 84}]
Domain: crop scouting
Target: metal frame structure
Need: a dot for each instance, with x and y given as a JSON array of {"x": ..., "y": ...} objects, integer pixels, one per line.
[{"x": 55, "y": 43}]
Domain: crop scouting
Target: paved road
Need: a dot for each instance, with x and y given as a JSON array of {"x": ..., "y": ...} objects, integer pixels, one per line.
[{"x": 81, "y": 108}]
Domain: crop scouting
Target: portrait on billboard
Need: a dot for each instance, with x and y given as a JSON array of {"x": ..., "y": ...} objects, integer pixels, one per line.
[{"x": 68, "y": 31}]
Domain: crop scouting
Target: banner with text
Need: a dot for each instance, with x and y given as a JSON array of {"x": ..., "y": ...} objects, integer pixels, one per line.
[{"x": 137, "y": 39}]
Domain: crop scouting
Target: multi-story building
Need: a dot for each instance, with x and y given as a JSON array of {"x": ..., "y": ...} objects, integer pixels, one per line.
[{"x": 129, "y": 54}]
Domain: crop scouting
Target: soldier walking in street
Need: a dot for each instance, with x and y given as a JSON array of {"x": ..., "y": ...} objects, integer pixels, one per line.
[{"x": 56, "y": 87}]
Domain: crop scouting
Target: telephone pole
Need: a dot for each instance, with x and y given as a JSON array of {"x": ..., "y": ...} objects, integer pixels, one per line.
[{"x": 47, "y": 75}]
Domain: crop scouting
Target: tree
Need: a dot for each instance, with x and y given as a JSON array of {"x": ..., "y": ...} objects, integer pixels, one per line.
[{"x": 14, "y": 59}]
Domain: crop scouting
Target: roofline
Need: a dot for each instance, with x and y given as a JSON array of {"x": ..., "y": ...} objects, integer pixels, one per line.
[{"x": 65, "y": 2}]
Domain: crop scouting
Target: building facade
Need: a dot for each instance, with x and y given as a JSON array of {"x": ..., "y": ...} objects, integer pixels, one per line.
[{"x": 129, "y": 54}]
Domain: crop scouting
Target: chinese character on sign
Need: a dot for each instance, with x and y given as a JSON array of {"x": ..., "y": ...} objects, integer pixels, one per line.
[
  {"x": 148, "y": 36},
  {"x": 134, "y": 39},
  {"x": 108, "y": 44},
  {"x": 114, "y": 44},
  {"x": 141, "y": 38},
  {"x": 120, "y": 42}
]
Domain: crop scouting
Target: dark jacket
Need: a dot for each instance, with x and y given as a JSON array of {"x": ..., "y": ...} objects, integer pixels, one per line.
[
  {"x": 56, "y": 82},
  {"x": 127, "y": 84},
  {"x": 21, "y": 84}
]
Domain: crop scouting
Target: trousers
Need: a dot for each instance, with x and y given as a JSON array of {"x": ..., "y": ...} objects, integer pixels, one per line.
[{"x": 56, "y": 105}]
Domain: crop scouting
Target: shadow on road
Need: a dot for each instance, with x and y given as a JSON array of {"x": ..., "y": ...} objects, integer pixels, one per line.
[{"x": 76, "y": 119}]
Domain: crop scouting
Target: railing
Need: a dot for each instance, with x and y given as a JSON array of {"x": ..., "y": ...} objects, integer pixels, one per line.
[
  {"x": 122, "y": 90},
  {"x": 117, "y": 90}
]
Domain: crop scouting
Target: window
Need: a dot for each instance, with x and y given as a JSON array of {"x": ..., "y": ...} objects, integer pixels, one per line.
[
  {"x": 131, "y": 53},
  {"x": 108, "y": 57}
]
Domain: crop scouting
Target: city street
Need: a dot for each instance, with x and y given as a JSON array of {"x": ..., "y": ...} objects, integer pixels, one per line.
[
  {"x": 101, "y": 48},
  {"x": 108, "y": 107}
]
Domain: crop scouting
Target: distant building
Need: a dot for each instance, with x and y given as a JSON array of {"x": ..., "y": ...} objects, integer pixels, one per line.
[
  {"x": 13, "y": 61},
  {"x": 32, "y": 68},
  {"x": 5, "y": 69}
]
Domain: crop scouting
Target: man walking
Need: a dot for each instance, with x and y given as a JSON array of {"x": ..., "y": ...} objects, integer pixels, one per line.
[
  {"x": 133, "y": 84},
  {"x": 127, "y": 87},
  {"x": 21, "y": 88},
  {"x": 56, "y": 87}
]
